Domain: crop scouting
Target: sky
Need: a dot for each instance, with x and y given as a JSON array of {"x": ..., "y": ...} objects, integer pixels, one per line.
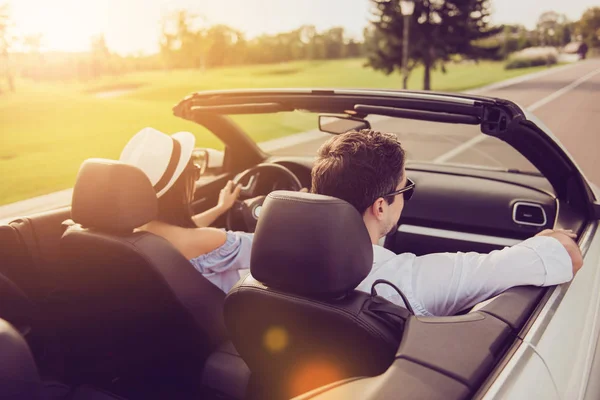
[{"x": 133, "y": 26}]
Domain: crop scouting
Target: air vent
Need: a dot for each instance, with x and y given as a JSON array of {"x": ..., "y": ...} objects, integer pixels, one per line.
[{"x": 529, "y": 214}]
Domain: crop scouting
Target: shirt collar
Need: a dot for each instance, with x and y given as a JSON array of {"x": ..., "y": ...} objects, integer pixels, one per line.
[{"x": 381, "y": 254}]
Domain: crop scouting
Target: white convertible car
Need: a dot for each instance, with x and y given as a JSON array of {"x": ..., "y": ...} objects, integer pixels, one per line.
[{"x": 113, "y": 313}]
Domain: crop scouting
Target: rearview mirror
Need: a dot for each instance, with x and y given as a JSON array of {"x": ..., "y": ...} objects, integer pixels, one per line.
[{"x": 338, "y": 125}]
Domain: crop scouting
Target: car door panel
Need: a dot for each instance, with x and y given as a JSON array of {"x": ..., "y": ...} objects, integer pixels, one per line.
[
  {"x": 465, "y": 348},
  {"x": 568, "y": 343},
  {"x": 592, "y": 391},
  {"x": 524, "y": 377},
  {"x": 403, "y": 380}
]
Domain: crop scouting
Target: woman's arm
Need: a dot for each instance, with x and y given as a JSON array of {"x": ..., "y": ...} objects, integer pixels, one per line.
[{"x": 227, "y": 197}]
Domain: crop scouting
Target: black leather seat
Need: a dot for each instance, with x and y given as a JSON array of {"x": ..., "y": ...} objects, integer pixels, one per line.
[
  {"x": 297, "y": 320},
  {"x": 130, "y": 305},
  {"x": 15, "y": 306},
  {"x": 19, "y": 377}
]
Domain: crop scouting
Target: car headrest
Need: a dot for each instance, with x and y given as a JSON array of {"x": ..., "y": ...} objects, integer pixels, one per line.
[
  {"x": 110, "y": 196},
  {"x": 310, "y": 244}
]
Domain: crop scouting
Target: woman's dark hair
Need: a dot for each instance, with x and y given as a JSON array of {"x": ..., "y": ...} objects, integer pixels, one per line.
[
  {"x": 174, "y": 206},
  {"x": 359, "y": 167}
]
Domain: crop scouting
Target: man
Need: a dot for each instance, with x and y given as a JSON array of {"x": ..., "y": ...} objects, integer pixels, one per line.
[
  {"x": 366, "y": 169},
  {"x": 583, "y": 49}
]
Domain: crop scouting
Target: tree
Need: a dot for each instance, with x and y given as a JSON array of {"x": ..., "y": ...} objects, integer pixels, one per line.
[
  {"x": 222, "y": 39},
  {"x": 33, "y": 43},
  {"x": 99, "y": 55},
  {"x": 187, "y": 41},
  {"x": 524, "y": 41},
  {"x": 180, "y": 46},
  {"x": 6, "y": 41},
  {"x": 551, "y": 26},
  {"x": 32, "y": 66},
  {"x": 353, "y": 49},
  {"x": 438, "y": 29},
  {"x": 334, "y": 42},
  {"x": 589, "y": 26},
  {"x": 510, "y": 42}
]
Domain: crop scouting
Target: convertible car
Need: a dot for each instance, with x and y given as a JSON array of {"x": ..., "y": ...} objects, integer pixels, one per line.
[{"x": 92, "y": 309}]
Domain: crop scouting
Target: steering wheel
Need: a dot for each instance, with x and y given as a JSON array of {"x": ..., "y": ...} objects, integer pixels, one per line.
[{"x": 250, "y": 208}]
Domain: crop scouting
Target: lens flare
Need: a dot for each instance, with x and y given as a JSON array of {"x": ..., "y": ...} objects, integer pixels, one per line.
[
  {"x": 275, "y": 339},
  {"x": 314, "y": 374}
]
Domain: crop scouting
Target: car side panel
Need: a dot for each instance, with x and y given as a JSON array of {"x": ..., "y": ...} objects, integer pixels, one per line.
[
  {"x": 592, "y": 391},
  {"x": 568, "y": 343},
  {"x": 403, "y": 380},
  {"x": 526, "y": 378}
]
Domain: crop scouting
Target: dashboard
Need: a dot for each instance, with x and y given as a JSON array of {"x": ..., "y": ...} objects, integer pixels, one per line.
[{"x": 465, "y": 209}]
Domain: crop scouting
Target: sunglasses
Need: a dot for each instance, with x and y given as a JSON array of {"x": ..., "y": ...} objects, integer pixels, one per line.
[{"x": 407, "y": 190}]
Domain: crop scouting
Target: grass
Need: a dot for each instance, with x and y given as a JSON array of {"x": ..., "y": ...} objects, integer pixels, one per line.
[{"x": 49, "y": 129}]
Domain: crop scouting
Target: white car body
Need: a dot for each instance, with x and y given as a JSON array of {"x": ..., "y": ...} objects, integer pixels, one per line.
[{"x": 560, "y": 355}]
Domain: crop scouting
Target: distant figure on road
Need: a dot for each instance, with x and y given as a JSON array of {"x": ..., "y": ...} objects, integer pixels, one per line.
[{"x": 583, "y": 49}]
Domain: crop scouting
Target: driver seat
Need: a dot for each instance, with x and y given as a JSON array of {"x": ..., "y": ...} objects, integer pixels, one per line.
[
  {"x": 296, "y": 319},
  {"x": 128, "y": 304}
]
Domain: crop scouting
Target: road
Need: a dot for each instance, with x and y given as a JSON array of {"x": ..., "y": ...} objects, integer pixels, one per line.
[{"x": 567, "y": 100}]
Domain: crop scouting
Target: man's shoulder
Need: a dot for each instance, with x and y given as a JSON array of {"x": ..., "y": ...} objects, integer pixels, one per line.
[{"x": 382, "y": 255}]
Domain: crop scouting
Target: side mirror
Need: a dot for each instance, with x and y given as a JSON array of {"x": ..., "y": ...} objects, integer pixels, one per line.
[
  {"x": 200, "y": 157},
  {"x": 338, "y": 125},
  {"x": 209, "y": 160}
]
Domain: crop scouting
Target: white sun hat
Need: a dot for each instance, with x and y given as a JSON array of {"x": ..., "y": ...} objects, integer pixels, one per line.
[{"x": 160, "y": 156}]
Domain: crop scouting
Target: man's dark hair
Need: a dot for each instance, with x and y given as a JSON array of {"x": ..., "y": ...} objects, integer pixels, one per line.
[{"x": 359, "y": 167}]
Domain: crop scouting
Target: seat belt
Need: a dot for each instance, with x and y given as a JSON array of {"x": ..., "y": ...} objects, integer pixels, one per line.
[
  {"x": 404, "y": 298},
  {"x": 392, "y": 314}
]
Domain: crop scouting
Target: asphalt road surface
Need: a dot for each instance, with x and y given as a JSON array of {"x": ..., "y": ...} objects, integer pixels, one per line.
[{"x": 566, "y": 100}]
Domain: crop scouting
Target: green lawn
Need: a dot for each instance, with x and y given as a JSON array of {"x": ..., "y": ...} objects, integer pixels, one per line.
[{"x": 49, "y": 129}]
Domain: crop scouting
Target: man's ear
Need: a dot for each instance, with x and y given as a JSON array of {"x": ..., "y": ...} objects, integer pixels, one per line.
[{"x": 377, "y": 208}]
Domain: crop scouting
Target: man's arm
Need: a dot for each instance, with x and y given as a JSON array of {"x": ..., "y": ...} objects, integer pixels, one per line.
[
  {"x": 567, "y": 239},
  {"x": 447, "y": 283}
]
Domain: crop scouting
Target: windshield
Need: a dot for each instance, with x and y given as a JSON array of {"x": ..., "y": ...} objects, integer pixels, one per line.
[{"x": 295, "y": 133}]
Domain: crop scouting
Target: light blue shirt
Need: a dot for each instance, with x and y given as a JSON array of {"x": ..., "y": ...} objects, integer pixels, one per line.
[
  {"x": 438, "y": 284},
  {"x": 222, "y": 266}
]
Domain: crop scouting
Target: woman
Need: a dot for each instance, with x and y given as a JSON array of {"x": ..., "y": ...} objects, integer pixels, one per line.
[{"x": 167, "y": 161}]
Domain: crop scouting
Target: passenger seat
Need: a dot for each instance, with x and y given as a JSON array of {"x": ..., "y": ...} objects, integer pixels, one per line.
[{"x": 20, "y": 379}]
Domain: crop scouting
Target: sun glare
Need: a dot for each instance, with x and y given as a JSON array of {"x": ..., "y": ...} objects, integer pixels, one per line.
[
  {"x": 275, "y": 339},
  {"x": 131, "y": 26},
  {"x": 65, "y": 25},
  {"x": 313, "y": 374}
]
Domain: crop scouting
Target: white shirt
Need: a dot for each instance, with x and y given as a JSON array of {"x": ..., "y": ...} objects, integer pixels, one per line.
[
  {"x": 437, "y": 284},
  {"x": 443, "y": 284}
]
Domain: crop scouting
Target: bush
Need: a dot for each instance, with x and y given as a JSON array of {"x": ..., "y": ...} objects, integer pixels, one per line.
[{"x": 532, "y": 57}]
